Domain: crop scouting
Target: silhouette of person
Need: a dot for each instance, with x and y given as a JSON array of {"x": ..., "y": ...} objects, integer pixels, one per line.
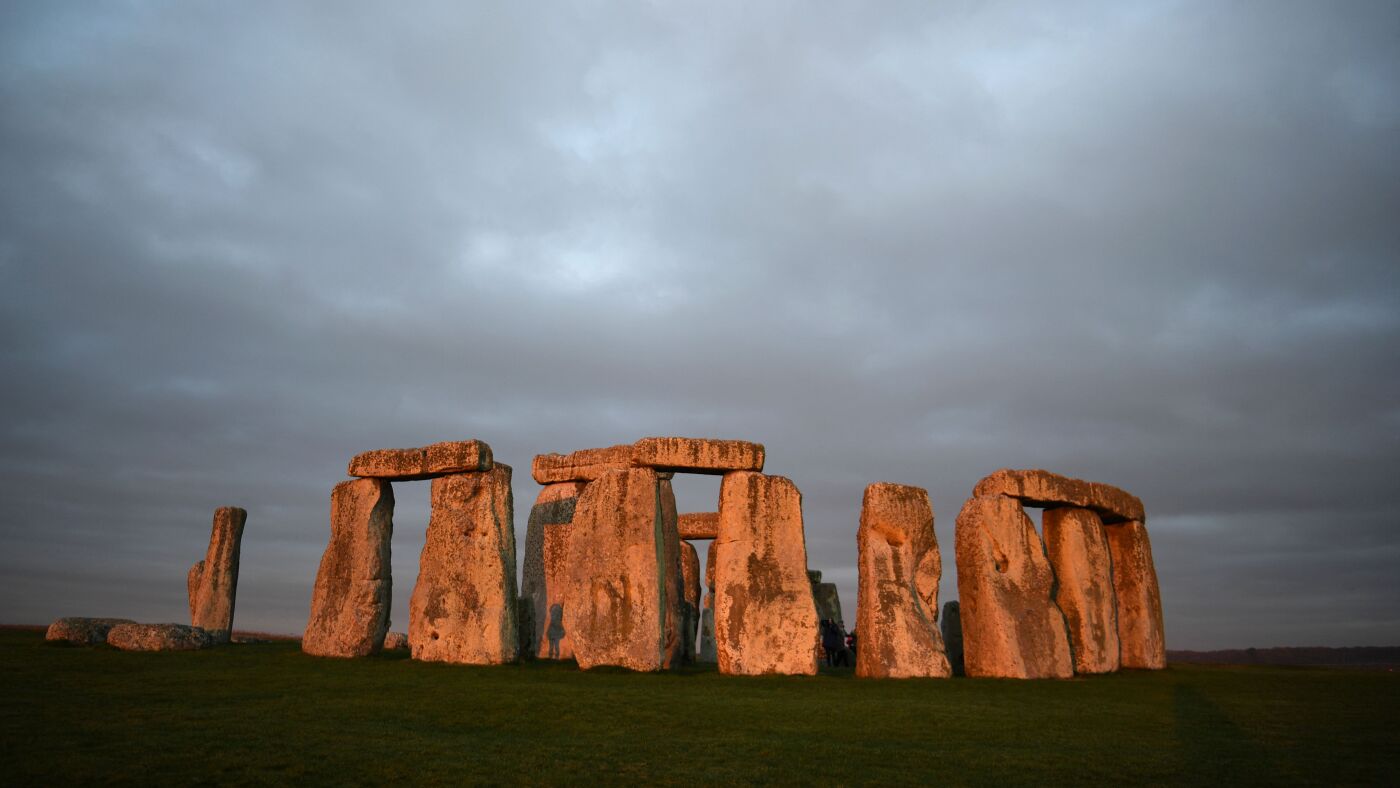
[
  {"x": 832, "y": 642},
  {"x": 555, "y": 632}
]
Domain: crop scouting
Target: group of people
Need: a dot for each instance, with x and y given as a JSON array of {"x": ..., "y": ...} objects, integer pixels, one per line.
[{"x": 839, "y": 645}]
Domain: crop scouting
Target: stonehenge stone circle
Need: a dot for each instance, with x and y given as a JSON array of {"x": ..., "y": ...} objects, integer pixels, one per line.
[
  {"x": 1011, "y": 626},
  {"x": 1140, "y": 630},
  {"x": 698, "y": 525},
  {"x": 900, "y": 568},
  {"x": 350, "y": 603},
  {"x": 463, "y": 607},
  {"x": 690, "y": 577},
  {"x": 213, "y": 581},
  {"x": 158, "y": 637},
  {"x": 765, "y": 617},
  {"x": 1078, "y": 550},
  {"x": 83, "y": 631},
  {"x": 546, "y": 571},
  {"x": 427, "y": 462},
  {"x": 951, "y": 625}
]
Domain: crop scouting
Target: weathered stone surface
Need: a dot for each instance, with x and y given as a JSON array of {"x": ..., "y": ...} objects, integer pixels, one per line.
[
  {"x": 158, "y": 637},
  {"x": 395, "y": 641},
  {"x": 675, "y": 577},
  {"x": 546, "y": 571},
  {"x": 765, "y": 617},
  {"x": 83, "y": 631},
  {"x": 463, "y": 608},
  {"x": 584, "y": 465},
  {"x": 951, "y": 625},
  {"x": 710, "y": 558},
  {"x": 1078, "y": 552},
  {"x": 1045, "y": 489},
  {"x": 1011, "y": 626},
  {"x": 707, "y": 631},
  {"x": 350, "y": 604},
  {"x": 698, "y": 525},
  {"x": 1142, "y": 639},
  {"x": 618, "y": 602},
  {"x": 698, "y": 455},
  {"x": 690, "y": 579},
  {"x": 213, "y": 582},
  {"x": 828, "y": 600},
  {"x": 426, "y": 462},
  {"x": 897, "y": 604}
]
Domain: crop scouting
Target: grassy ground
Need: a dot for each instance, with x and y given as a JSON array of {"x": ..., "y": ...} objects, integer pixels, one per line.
[{"x": 267, "y": 713}]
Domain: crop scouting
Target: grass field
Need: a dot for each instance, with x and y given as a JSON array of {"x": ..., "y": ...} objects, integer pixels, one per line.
[{"x": 267, "y": 713}]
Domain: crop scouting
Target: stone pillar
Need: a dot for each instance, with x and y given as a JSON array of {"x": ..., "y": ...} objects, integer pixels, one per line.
[
  {"x": 690, "y": 574},
  {"x": 707, "y": 614},
  {"x": 350, "y": 604},
  {"x": 213, "y": 582},
  {"x": 463, "y": 608},
  {"x": 1078, "y": 552},
  {"x": 951, "y": 625},
  {"x": 1011, "y": 626},
  {"x": 674, "y": 576},
  {"x": 897, "y": 607},
  {"x": 765, "y": 617},
  {"x": 1140, "y": 632},
  {"x": 546, "y": 571}
]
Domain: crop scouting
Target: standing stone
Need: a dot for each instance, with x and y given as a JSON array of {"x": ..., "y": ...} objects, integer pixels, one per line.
[
  {"x": 624, "y": 582},
  {"x": 396, "y": 641},
  {"x": 350, "y": 604},
  {"x": 1011, "y": 626},
  {"x": 675, "y": 573},
  {"x": 463, "y": 608},
  {"x": 690, "y": 574},
  {"x": 1140, "y": 633},
  {"x": 1078, "y": 552},
  {"x": 765, "y": 618},
  {"x": 83, "y": 631},
  {"x": 707, "y": 615},
  {"x": 828, "y": 600},
  {"x": 951, "y": 624},
  {"x": 900, "y": 567},
  {"x": 546, "y": 571},
  {"x": 213, "y": 582}
]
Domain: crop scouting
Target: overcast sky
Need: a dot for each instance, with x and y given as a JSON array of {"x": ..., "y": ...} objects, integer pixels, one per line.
[{"x": 1151, "y": 244}]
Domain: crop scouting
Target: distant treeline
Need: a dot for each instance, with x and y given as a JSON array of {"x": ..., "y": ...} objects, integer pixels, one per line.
[{"x": 1352, "y": 657}]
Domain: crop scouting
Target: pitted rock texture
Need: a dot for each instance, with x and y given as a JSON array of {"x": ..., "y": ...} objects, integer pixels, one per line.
[
  {"x": 426, "y": 462},
  {"x": 463, "y": 608},
  {"x": 350, "y": 603},
  {"x": 950, "y": 623},
  {"x": 698, "y": 525},
  {"x": 690, "y": 580},
  {"x": 546, "y": 571},
  {"x": 213, "y": 582},
  {"x": 1045, "y": 489},
  {"x": 698, "y": 455},
  {"x": 83, "y": 631},
  {"x": 1011, "y": 626},
  {"x": 584, "y": 465},
  {"x": 765, "y": 617},
  {"x": 897, "y": 604},
  {"x": 1078, "y": 550},
  {"x": 626, "y": 586},
  {"x": 395, "y": 641},
  {"x": 1142, "y": 639},
  {"x": 158, "y": 637}
]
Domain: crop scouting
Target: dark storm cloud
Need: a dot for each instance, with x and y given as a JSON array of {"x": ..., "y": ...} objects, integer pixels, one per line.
[{"x": 1152, "y": 244}]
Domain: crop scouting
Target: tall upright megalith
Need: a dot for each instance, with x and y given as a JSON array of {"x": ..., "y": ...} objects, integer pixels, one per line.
[
  {"x": 765, "y": 617},
  {"x": 213, "y": 581},
  {"x": 950, "y": 624},
  {"x": 1078, "y": 552},
  {"x": 546, "y": 571},
  {"x": 708, "y": 653},
  {"x": 350, "y": 603},
  {"x": 463, "y": 608},
  {"x": 690, "y": 577},
  {"x": 897, "y": 603},
  {"x": 1141, "y": 635}
]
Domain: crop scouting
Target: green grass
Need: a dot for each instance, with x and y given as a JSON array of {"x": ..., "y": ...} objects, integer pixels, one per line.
[{"x": 267, "y": 713}]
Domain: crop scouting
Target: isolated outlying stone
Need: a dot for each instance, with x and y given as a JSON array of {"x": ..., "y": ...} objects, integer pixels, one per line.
[
  {"x": 1045, "y": 489},
  {"x": 950, "y": 623},
  {"x": 213, "y": 581},
  {"x": 1011, "y": 626},
  {"x": 765, "y": 617},
  {"x": 158, "y": 637},
  {"x": 426, "y": 462},
  {"x": 83, "y": 631},
  {"x": 1078, "y": 552},
  {"x": 350, "y": 603},
  {"x": 1141, "y": 637},
  {"x": 698, "y": 525},
  {"x": 897, "y": 607},
  {"x": 690, "y": 581},
  {"x": 546, "y": 571},
  {"x": 395, "y": 641},
  {"x": 463, "y": 608},
  {"x": 698, "y": 455}
]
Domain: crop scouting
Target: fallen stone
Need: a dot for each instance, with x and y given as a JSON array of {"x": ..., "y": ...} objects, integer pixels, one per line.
[
  {"x": 618, "y": 601},
  {"x": 83, "y": 631},
  {"x": 1011, "y": 626},
  {"x": 1078, "y": 552},
  {"x": 697, "y": 455},
  {"x": 350, "y": 603},
  {"x": 581, "y": 466},
  {"x": 1141, "y": 637},
  {"x": 1048, "y": 490},
  {"x": 463, "y": 607},
  {"x": 951, "y": 624},
  {"x": 395, "y": 641},
  {"x": 765, "y": 617},
  {"x": 690, "y": 577},
  {"x": 900, "y": 568},
  {"x": 158, "y": 637},
  {"x": 213, "y": 582},
  {"x": 426, "y": 462},
  {"x": 698, "y": 525},
  {"x": 546, "y": 571}
]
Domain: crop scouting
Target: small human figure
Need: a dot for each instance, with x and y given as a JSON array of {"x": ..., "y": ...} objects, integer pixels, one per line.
[{"x": 555, "y": 632}]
